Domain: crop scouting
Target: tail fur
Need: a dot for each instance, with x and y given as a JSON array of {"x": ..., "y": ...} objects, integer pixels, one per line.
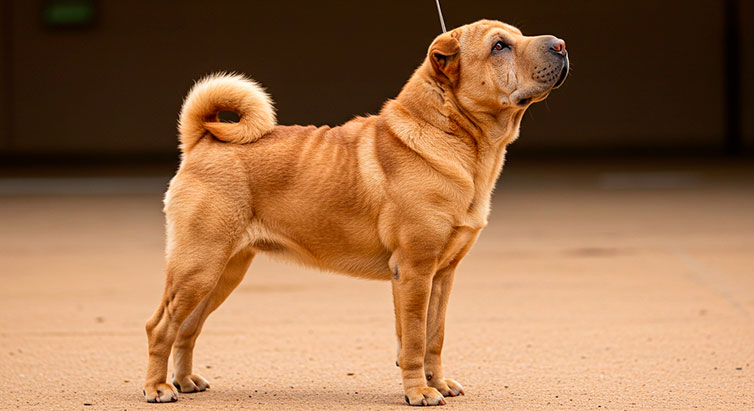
[{"x": 219, "y": 92}]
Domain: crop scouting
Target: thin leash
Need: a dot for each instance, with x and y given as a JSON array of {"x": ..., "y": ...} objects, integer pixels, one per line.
[{"x": 442, "y": 20}]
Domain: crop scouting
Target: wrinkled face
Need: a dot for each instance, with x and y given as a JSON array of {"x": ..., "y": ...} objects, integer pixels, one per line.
[{"x": 491, "y": 66}]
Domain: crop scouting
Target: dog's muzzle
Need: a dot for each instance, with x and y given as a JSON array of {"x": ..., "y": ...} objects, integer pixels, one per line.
[{"x": 563, "y": 73}]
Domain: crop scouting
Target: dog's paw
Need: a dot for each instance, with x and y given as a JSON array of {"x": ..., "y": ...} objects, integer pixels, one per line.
[
  {"x": 424, "y": 396},
  {"x": 191, "y": 383},
  {"x": 161, "y": 392},
  {"x": 447, "y": 387}
]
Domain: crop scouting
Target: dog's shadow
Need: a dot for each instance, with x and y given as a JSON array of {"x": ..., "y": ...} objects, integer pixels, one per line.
[{"x": 296, "y": 397}]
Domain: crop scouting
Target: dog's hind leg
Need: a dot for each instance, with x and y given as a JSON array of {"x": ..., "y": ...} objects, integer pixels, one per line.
[
  {"x": 199, "y": 248},
  {"x": 183, "y": 349}
]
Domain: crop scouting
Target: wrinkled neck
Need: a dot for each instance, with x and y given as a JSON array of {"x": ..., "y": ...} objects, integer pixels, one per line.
[{"x": 435, "y": 104}]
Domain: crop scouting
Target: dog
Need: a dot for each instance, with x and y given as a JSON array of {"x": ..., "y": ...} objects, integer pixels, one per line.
[{"x": 400, "y": 196}]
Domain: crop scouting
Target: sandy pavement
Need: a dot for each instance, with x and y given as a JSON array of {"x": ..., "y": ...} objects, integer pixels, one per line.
[{"x": 606, "y": 287}]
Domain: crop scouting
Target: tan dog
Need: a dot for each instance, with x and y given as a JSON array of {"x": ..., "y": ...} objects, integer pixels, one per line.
[{"x": 400, "y": 196}]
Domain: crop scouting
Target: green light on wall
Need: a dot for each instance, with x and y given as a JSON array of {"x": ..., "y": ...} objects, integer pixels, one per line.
[{"x": 68, "y": 13}]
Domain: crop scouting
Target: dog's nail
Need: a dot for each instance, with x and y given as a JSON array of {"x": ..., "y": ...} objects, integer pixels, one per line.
[
  {"x": 424, "y": 403},
  {"x": 461, "y": 392},
  {"x": 196, "y": 389},
  {"x": 144, "y": 392},
  {"x": 158, "y": 397},
  {"x": 405, "y": 397},
  {"x": 450, "y": 394},
  {"x": 442, "y": 401},
  {"x": 396, "y": 364}
]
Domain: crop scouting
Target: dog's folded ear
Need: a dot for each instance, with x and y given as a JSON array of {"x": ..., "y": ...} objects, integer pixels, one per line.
[{"x": 444, "y": 56}]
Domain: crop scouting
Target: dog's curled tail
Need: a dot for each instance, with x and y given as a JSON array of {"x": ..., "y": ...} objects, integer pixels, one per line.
[{"x": 221, "y": 92}]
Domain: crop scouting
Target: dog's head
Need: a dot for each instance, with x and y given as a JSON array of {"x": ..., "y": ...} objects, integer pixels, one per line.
[{"x": 490, "y": 66}]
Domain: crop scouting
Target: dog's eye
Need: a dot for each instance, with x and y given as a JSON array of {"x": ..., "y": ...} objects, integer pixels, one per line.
[{"x": 500, "y": 46}]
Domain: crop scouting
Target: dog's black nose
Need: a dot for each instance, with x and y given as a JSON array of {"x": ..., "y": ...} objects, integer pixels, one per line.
[{"x": 558, "y": 46}]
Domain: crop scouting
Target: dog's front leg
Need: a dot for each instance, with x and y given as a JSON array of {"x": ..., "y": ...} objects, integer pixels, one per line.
[
  {"x": 411, "y": 292},
  {"x": 438, "y": 303}
]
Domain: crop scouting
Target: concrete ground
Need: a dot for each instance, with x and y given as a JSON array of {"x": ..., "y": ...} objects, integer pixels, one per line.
[{"x": 602, "y": 286}]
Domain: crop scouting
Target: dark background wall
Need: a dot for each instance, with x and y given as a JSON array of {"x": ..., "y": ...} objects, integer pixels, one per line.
[
  {"x": 746, "y": 19},
  {"x": 648, "y": 76}
]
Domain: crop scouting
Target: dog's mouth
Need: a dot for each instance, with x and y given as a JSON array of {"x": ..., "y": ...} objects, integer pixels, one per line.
[
  {"x": 525, "y": 101},
  {"x": 522, "y": 99},
  {"x": 563, "y": 74}
]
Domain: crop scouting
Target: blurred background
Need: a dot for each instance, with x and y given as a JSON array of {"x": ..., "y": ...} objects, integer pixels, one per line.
[
  {"x": 88, "y": 79},
  {"x": 617, "y": 270}
]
